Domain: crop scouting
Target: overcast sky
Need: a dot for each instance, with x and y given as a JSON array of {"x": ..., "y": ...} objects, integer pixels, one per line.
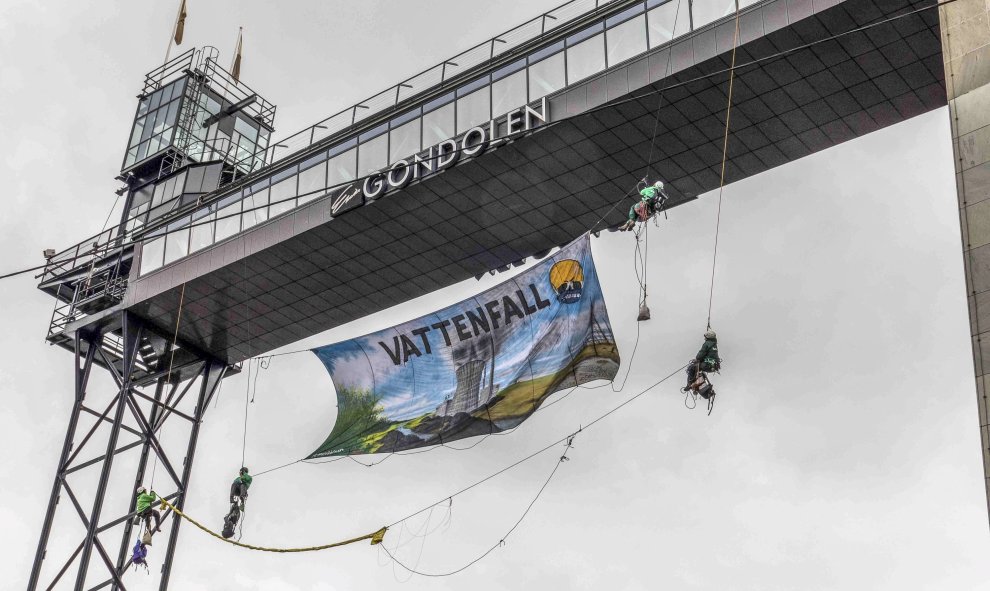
[{"x": 843, "y": 453}]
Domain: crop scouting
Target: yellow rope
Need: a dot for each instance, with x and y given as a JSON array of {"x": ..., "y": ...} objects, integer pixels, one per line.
[{"x": 376, "y": 537}]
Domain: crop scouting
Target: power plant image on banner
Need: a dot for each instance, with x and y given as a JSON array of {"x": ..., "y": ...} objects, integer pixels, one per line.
[{"x": 478, "y": 367}]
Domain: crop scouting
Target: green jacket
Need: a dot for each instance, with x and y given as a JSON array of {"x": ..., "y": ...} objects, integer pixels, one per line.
[
  {"x": 145, "y": 500},
  {"x": 708, "y": 351},
  {"x": 245, "y": 479}
]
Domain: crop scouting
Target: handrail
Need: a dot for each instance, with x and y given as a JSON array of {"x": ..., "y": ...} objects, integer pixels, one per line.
[{"x": 435, "y": 76}]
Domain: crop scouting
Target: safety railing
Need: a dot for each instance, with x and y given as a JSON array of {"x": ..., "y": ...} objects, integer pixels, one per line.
[
  {"x": 166, "y": 72},
  {"x": 436, "y": 76}
]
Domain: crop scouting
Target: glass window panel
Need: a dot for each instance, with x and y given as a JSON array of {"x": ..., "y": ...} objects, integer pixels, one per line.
[
  {"x": 626, "y": 40},
  {"x": 438, "y": 125},
  {"x": 511, "y": 68},
  {"x": 538, "y": 55},
  {"x": 142, "y": 150},
  {"x": 472, "y": 86},
  {"x": 228, "y": 222},
  {"x": 707, "y": 11},
  {"x": 624, "y": 15},
  {"x": 143, "y": 106},
  {"x": 156, "y": 99},
  {"x": 152, "y": 254},
  {"x": 255, "y": 211},
  {"x": 283, "y": 197},
  {"x": 474, "y": 109},
  {"x": 404, "y": 141},
  {"x": 585, "y": 58},
  {"x": 546, "y": 77},
  {"x": 149, "y": 125},
  {"x": 508, "y": 93},
  {"x": 668, "y": 21},
  {"x": 138, "y": 129},
  {"x": 312, "y": 181},
  {"x": 438, "y": 102},
  {"x": 246, "y": 129},
  {"x": 201, "y": 233},
  {"x": 176, "y": 244},
  {"x": 341, "y": 168},
  {"x": 581, "y": 36},
  {"x": 373, "y": 155},
  {"x": 173, "y": 111}
]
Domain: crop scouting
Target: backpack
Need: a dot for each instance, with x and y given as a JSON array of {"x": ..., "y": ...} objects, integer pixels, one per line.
[{"x": 139, "y": 555}]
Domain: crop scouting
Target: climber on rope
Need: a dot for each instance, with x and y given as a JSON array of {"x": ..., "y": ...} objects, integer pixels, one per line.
[
  {"x": 239, "y": 489},
  {"x": 706, "y": 361},
  {"x": 238, "y": 494},
  {"x": 652, "y": 200},
  {"x": 144, "y": 507}
]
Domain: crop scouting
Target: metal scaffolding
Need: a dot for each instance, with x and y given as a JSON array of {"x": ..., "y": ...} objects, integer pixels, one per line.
[{"x": 138, "y": 414}]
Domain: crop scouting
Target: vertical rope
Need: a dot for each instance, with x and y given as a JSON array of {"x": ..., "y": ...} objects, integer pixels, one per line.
[
  {"x": 247, "y": 397},
  {"x": 725, "y": 153},
  {"x": 168, "y": 376}
]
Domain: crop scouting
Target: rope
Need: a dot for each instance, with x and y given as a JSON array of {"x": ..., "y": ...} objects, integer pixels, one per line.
[
  {"x": 501, "y": 541},
  {"x": 171, "y": 362},
  {"x": 725, "y": 157},
  {"x": 545, "y": 448},
  {"x": 375, "y": 537},
  {"x": 247, "y": 394}
]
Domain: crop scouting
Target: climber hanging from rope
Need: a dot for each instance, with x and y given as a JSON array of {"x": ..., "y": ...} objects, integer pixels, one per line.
[
  {"x": 706, "y": 361},
  {"x": 145, "y": 511},
  {"x": 238, "y": 494},
  {"x": 652, "y": 200}
]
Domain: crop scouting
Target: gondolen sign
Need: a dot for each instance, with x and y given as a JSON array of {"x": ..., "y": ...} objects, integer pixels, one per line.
[{"x": 441, "y": 156}]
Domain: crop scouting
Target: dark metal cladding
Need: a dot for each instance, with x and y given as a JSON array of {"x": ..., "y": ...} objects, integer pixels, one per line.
[{"x": 304, "y": 272}]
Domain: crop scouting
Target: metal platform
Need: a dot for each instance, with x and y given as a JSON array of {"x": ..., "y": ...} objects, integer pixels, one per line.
[{"x": 307, "y": 271}]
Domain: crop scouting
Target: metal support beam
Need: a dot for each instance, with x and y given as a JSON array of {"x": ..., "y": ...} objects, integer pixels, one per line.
[
  {"x": 80, "y": 382},
  {"x": 126, "y": 401},
  {"x": 132, "y": 336},
  {"x": 212, "y": 375},
  {"x": 138, "y": 480}
]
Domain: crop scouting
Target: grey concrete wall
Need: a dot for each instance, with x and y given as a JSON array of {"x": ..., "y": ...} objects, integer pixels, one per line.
[{"x": 966, "y": 51}]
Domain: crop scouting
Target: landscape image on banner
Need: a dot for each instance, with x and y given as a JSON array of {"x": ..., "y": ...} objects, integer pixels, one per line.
[{"x": 478, "y": 367}]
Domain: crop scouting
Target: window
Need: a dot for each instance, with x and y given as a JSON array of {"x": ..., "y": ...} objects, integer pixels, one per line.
[
  {"x": 711, "y": 10},
  {"x": 473, "y": 109},
  {"x": 404, "y": 141},
  {"x": 312, "y": 181},
  {"x": 228, "y": 221},
  {"x": 667, "y": 21},
  {"x": 546, "y": 77},
  {"x": 373, "y": 155},
  {"x": 255, "y": 211},
  {"x": 283, "y": 197},
  {"x": 177, "y": 241},
  {"x": 585, "y": 58},
  {"x": 201, "y": 233},
  {"x": 626, "y": 40},
  {"x": 152, "y": 254},
  {"x": 509, "y": 93},
  {"x": 438, "y": 125},
  {"x": 341, "y": 168}
]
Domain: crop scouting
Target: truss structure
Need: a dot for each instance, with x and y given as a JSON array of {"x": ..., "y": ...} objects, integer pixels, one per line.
[{"x": 155, "y": 382}]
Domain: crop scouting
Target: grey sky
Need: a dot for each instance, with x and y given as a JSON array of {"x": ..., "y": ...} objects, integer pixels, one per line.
[{"x": 844, "y": 452}]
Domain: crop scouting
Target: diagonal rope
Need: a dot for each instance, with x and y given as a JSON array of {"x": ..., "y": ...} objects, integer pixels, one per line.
[{"x": 725, "y": 154}]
